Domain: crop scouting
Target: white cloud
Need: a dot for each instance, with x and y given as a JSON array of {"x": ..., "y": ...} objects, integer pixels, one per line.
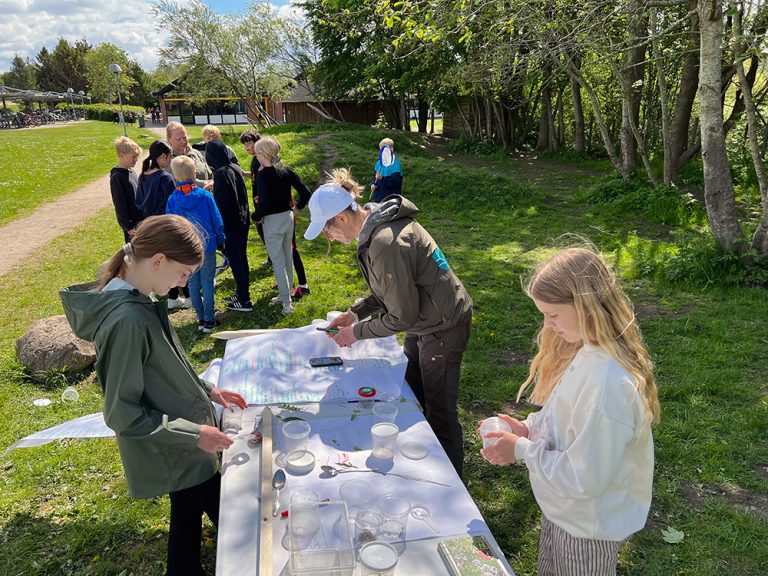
[{"x": 28, "y": 25}]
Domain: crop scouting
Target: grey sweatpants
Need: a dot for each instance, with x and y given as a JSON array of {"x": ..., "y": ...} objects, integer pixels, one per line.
[
  {"x": 561, "y": 554},
  {"x": 278, "y": 231}
]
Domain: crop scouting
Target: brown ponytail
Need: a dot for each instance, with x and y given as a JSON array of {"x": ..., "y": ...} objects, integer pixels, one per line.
[{"x": 172, "y": 235}]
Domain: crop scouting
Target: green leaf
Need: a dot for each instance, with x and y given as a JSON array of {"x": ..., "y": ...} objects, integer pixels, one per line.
[{"x": 672, "y": 536}]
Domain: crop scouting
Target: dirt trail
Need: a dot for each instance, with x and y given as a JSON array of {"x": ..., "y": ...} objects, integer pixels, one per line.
[{"x": 22, "y": 237}]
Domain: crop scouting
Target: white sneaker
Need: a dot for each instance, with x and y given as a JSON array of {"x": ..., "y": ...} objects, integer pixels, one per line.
[
  {"x": 287, "y": 308},
  {"x": 174, "y": 303},
  {"x": 185, "y": 302}
]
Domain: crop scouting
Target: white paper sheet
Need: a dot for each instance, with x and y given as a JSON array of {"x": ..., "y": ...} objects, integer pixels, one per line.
[
  {"x": 274, "y": 368},
  {"x": 93, "y": 425}
]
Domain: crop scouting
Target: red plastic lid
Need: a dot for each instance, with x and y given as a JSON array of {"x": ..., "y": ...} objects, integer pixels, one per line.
[{"x": 366, "y": 392}]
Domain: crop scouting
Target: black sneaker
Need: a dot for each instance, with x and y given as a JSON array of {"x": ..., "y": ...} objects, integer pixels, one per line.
[
  {"x": 208, "y": 327},
  {"x": 231, "y": 298},
  {"x": 299, "y": 292},
  {"x": 238, "y": 306},
  {"x": 200, "y": 325}
]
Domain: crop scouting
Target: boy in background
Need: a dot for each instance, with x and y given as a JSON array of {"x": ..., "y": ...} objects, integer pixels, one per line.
[
  {"x": 388, "y": 176},
  {"x": 123, "y": 182},
  {"x": 198, "y": 206}
]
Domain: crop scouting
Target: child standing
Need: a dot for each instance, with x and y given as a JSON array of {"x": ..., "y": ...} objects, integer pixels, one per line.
[
  {"x": 198, "y": 206},
  {"x": 277, "y": 212},
  {"x": 123, "y": 183},
  {"x": 159, "y": 409},
  {"x": 155, "y": 184},
  {"x": 589, "y": 450},
  {"x": 231, "y": 197},
  {"x": 387, "y": 177}
]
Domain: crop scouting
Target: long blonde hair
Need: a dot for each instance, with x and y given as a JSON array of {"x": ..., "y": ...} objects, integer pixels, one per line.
[{"x": 580, "y": 277}]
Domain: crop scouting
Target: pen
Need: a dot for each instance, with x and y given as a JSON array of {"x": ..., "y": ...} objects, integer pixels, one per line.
[{"x": 329, "y": 330}]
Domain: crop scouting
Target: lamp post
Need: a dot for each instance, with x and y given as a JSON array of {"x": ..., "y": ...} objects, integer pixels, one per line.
[
  {"x": 70, "y": 92},
  {"x": 116, "y": 70}
]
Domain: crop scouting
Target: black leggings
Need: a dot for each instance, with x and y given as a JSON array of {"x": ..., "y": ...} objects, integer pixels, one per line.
[{"x": 187, "y": 507}]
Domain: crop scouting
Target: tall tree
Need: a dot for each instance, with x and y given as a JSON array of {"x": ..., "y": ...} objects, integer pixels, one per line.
[
  {"x": 103, "y": 82},
  {"x": 22, "y": 75},
  {"x": 719, "y": 195},
  {"x": 241, "y": 51},
  {"x": 64, "y": 67}
]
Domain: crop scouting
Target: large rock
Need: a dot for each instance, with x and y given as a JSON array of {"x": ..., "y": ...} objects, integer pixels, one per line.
[{"x": 50, "y": 344}]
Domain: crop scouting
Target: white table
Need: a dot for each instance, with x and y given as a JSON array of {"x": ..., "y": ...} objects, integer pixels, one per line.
[{"x": 341, "y": 431}]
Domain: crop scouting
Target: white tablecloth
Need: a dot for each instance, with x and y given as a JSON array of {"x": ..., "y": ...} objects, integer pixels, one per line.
[{"x": 342, "y": 432}]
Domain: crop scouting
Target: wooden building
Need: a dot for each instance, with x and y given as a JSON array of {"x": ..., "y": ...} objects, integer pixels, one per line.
[{"x": 301, "y": 106}]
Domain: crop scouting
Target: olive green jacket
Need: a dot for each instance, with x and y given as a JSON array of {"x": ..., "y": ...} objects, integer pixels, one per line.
[
  {"x": 413, "y": 288},
  {"x": 153, "y": 399}
]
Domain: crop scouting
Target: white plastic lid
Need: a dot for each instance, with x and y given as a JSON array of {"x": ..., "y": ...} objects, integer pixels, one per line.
[
  {"x": 414, "y": 450},
  {"x": 378, "y": 556},
  {"x": 384, "y": 429}
]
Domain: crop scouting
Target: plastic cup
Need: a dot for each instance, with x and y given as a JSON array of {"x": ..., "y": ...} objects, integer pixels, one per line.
[
  {"x": 493, "y": 424},
  {"x": 378, "y": 559},
  {"x": 356, "y": 494},
  {"x": 384, "y": 412},
  {"x": 232, "y": 422},
  {"x": 303, "y": 518},
  {"x": 70, "y": 395},
  {"x": 383, "y": 440},
  {"x": 367, "y": 524},
  {"x": 295, "y": 435},
  {"x": 396, "y": 509}
]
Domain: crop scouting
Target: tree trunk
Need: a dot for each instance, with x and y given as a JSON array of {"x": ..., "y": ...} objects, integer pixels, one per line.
[
  {"x": 621, "y": 168},
  {"x": 579, "y": 139},
  {"x": 423, "y": 108},
  {"x": 760, "y": 237},
  {"x": 718, "y": 187},
  {"x": 633, "y": 73},
  {"x": 405, "y": 122},
  {"x": 545, "y": 119}
]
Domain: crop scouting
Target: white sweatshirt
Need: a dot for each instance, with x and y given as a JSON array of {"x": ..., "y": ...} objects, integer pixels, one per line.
[{"x": 588, "y": 452}]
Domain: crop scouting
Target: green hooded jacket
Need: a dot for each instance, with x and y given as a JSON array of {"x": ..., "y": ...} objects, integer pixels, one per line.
[
  {"x": 153, "y": 399},
  {"x": 413, "y": 288}
]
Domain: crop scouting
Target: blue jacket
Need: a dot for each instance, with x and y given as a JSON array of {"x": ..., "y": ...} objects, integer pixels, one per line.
[
  {"x": 153, "y": 193},
  {"x": 391, "y": 180},
  {"x": 199, "y": 207}
]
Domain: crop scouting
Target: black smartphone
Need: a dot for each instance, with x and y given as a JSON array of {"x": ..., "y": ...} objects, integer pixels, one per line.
[{"x": 325, "y": 361}]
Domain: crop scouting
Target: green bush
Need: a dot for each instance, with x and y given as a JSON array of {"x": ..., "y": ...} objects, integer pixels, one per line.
[
  {"x": 474, "y": 146},
  {"x": 659, "y": 204},
  {"x": 103, "y": 112},
  {"x": 692, "y": 259}
]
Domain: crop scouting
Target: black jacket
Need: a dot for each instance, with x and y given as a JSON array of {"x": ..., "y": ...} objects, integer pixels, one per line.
[
  {"x": 274, "y": 192},
  {"x": 229, "y": 189},
  {"x": 123, "y": 184}
]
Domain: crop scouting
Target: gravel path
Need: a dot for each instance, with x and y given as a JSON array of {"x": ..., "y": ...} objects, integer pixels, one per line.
[{"x": 22, "y": 237}]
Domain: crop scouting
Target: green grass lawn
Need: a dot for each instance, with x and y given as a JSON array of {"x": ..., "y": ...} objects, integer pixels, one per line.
[
  {"x": 66, "y": 508},
  {"x": 41, "y": 164}
]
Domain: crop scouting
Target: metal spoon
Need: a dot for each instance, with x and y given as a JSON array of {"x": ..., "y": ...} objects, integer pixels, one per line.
[
  {"x": 278, "y": 481},
  {"x": 421, "y": 513},
  {"x": 331, "y": 471}
]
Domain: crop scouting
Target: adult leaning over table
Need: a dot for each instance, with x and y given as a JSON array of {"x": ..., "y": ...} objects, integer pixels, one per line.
[{"x": 413, "y": 290}]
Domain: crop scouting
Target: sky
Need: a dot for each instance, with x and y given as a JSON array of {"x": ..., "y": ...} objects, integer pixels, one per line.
[{"x": 28, "y": 25}]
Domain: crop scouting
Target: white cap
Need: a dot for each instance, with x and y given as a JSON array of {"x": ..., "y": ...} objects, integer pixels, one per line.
[{"x": 328, "y": 201}]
